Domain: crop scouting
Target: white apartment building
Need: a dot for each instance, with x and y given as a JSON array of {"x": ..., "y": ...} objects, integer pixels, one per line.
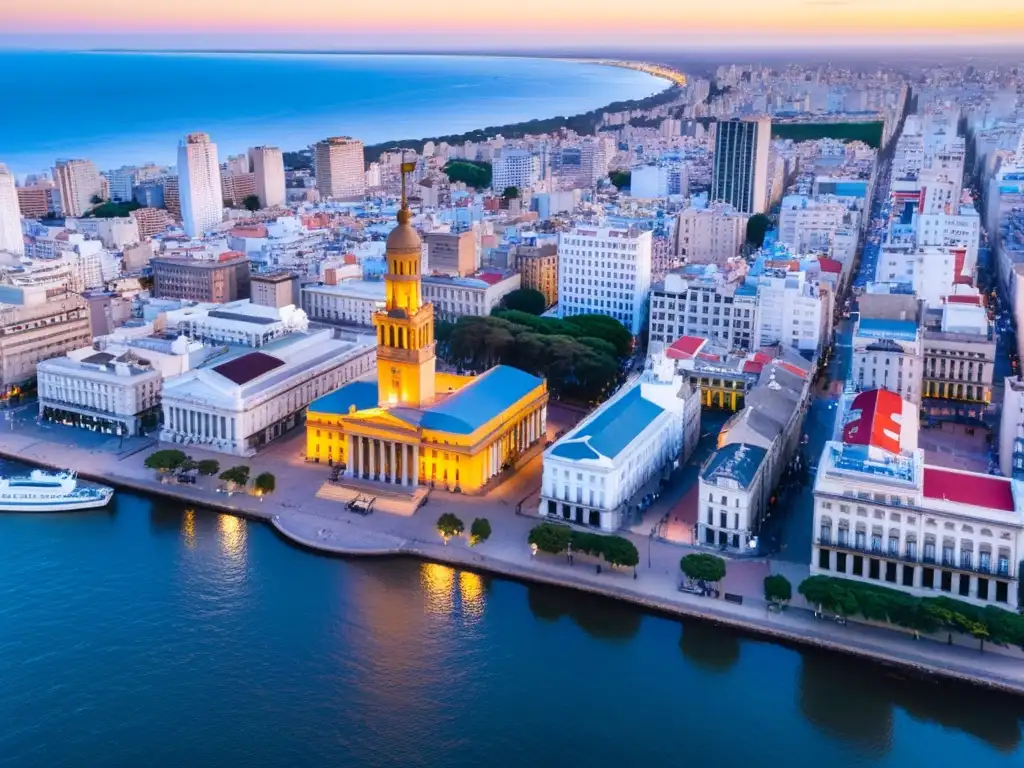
[
  {"x": 238, "y": 322},
  {"x": 649, "y": 182},
  {"x": 709, "y": 235},
  {"x": 605, "y": 271},
  {"x": 731, "y": 493},
  {"x": 792, "y": 310},
  {"x": 478, "y": 295},
  {"x": 593, "y": 473},
  {"x": 518, "y": 168},
  {"x": 809, "y": 224},
  {"x": 883, "y": 516},
  {"x": 11, "y": 239},
  {"x": 267, "y": 165},
  {"x": 888, "y": 354},
  {"x": 961, "y": 229},
  {"x": 932, "y": 272},
  {"x": 78, "y": 182},
  {"x": 340, "y": 169},
  {"x": 199, "y": 184},
  {"x": 1011, "y": 429},
  {"x": 239, "y": 405},
  {"x": 350, "y": 301}
]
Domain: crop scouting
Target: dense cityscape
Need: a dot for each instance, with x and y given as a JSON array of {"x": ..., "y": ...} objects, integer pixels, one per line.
[{"x": 745, "y": 350}]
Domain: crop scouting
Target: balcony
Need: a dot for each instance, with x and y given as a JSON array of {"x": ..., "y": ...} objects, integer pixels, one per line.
[{"x": 905, "y": 557}]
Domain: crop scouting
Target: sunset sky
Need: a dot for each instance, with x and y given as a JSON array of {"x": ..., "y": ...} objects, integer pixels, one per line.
[{"x": 526, "y": 23}]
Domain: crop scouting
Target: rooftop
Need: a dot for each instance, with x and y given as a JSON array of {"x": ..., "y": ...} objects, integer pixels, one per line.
[
  {"x": 737, "y": 461},
  {"x": 360, "y": 394},
  {"x": 896, "y": 330},
  {"x": 610, "y": 429},
  {"x": 244, "y": 369},
  {"x": 877, "y": 422},
  {"x": 479, "y": 401},
  {"x": 968, "y": 488}
]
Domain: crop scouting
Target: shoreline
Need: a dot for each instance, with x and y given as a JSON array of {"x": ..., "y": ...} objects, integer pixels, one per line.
[{"x": 459, "y": 555}]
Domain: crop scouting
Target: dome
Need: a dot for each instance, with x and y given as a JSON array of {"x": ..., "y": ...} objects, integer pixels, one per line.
[{"x": 404, "y": 237}]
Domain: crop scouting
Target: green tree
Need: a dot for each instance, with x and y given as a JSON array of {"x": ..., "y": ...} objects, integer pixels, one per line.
[
  {"x": 528, "y": 300},
  {"x": 703, "y": 566},
  {"x": 604, "y": 327},
  {"x": 550, "y": 538},
  {"x": 829, "y": 594},
  {"x": 111, "y": 210},
  {"x": 469, "y": 172},
  {"x": 265, "y": 483},
  {"x": 618, "y": 550},
  {"x": 449, "y": 525},
  {"x": 511, "y": 193},
  {"x": 479, "y": 531},
  {"x": 187, "y": 465},
  {"x": 757, "y": 227},
  {"x": 236, "y": 476},
  {"x": 777, "y": 588},
  {"x": 251, "y": 203},
  {"x": 621, "y": 179},
  {"x": 166, "y": 460},
  {"x": 208, "y": 467}
]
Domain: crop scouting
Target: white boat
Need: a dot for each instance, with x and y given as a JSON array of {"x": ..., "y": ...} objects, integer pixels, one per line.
[{"x": 42, "y": 491}]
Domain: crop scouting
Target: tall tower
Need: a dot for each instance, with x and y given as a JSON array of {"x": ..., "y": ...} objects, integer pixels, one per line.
[
  {"x": 405, "y": 327},
  {"x": 199, "y": 187},
  {"x": 10, "y": 215},
  {"x": 740, "y": 174}
]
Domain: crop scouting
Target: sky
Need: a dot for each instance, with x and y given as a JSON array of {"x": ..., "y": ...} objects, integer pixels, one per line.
[{"x": 462, "y": 24}]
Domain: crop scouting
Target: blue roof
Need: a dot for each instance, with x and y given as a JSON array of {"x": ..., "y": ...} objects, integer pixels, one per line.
[
  {"x": 469, "y": 408},
  {"x": 736, "y": 461},
  {"x": 611, "y": 429},
  {"x": 361, "y": 394},
  {"x": 897, "y": 330}
]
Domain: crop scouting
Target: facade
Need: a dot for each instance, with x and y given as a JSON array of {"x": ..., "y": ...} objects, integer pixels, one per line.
[
  {"x": 792, "y": 310},
  {"x": 150, "y": 221},
  {"x": 78, "y": 182},
  {"x": 882, "y": 515},
  {"x": 236, "y": 187},
  {"x": 278, "y": 289},
  {"x": 740, "y": 173},
  {"x": 238, "y": 323},
  {"x": 351, "y": 301},
  {"x": 38, "y": 200},
  {"x": 49, "y": 327},
  {"x": 888, "y": 354},
  {"x": 538, "y": 267},
  {"x": 267, "y": 165},
  {"x": 709, "y": 235},
  {"x": 605, "y": 271},
  {"x": 11, "y": 239},
  {"x": 809, "y": 224},
  {"x": 595, "y": 472},
  {"x": 732, "y": 490},
  {"x": 224, "y": 280},
  {"x": 478, "y": 295},
  {"x": 932, "y": 272},
  {"x": 1011, "y": 429},
  {"x": 518, "y": 168},
  {"x": 199, "y": 184},
  {"x": 415, "y": 425},
  {"x": 959, "y": 362},
  {"x": 451, "y": 253},
  {"x": 340, "y": 168}
]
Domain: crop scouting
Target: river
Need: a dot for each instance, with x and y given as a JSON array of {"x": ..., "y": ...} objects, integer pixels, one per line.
[{"x": 148, "y": 634}]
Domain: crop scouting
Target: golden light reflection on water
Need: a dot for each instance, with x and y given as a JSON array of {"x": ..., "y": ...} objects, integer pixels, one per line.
[
  {"x": 232, "y": 536},
  {"x": 448, "y": 591},
  {"x": 471, "y": 593},
  {"x": 188, "y": 528}
]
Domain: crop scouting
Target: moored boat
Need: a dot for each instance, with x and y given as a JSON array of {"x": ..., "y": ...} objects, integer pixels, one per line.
[{"x": 41, "y": 491}]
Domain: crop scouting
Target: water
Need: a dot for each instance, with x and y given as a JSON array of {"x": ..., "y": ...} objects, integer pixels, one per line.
[
  {"x": 151, "y": 635},
  {"x": 117, "y": 108}
]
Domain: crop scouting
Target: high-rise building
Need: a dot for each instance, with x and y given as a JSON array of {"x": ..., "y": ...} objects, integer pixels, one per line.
[
  {"x": 518, "y": 168},
  {"x": 79, "y": 183},
  {"x": 339, "y": 168},
  {"x": 267, "y": 165},
  {"x": 38, "y": 199},
  {"x": 740, "y": 175},
  {"x": 202, "y": 200},
  {"x": 10, "y": 214},
  {"x": 236, "y": 186}
]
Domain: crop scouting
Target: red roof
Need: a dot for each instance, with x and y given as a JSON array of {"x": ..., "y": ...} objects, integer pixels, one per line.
[
  {"x": 794, "y": 369},
  {"x": 685, "y": 347},
  {"x": 877, "y": 424},
  {"x": 965, "y": 299},
  {"x": 491, "y": 278},
  {"x": 968, "y": 488},
  {"x": 753, "y": 366},
  {"x": 830, "y": 265},
  {"x": 244, "y": 369}
]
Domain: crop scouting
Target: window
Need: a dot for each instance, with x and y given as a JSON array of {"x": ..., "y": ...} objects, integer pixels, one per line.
[{"x": 826, "y": 534}]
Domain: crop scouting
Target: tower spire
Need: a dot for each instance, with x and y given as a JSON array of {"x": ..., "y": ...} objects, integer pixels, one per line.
[{"x": 403, "y": 212}]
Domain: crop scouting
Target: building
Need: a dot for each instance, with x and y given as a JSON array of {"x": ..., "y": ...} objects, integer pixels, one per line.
[
  {"x": 236, "y": 187},
  {"x": 39, "y": 199},
  {"x": 709, "y": 235},
  {"x": 415, "y": 425},
  {"x": 793, "y": 310},
  {"x": 479, "y": 294},
  {"x": 519, "y": 168},
  {"x": 932, "y": 272},
  {"x": 809, "y": 224},
  {"x": 1011, "y": 429},
  {"x": 267, "y": 165},
  {"x": 172, "y": 196},
  {"x": 277, "y": 289},
  {"x": 740, "y": 173},
  {"x": 78, "y": 184},
  {"x": 348, "y": 302},
  {"x": 151, "y": 221},
  {"x": 340, "y": 169},
  {"x": 888, "y": 354},
  {"x": 605, "y": 271},
  {"x": 884, "y": 516},
  {"x": 199, "y": 184},
  {"x": 731, "y": 497},
  {"x": 650, "y": 181},
  {"x": 238, "y": 323},
  {"x": 959, "y": 362},
  {"x": 219, "y": 281},
  {"x": 238, "y": 405},
  {"x": 595, "y": 474},
  {"x": 538, "y": 267},
  {"x": 11, "y": 239},
  {"x": 51, "y": 323},
  {"x": 451, "y": 253}
]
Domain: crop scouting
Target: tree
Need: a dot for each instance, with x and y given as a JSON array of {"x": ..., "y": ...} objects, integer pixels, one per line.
[
  {"x": 187, "y": 465},
  {"x": 166, "y": 460},
  {"x": 703, "y": 567},
  {"x": 829, "y": 594},
  {"x": 604, "y": 327},
  {"x": 479, "y": 531},
  {"x": 511, "y": 193},
  {"x": 449, "y": 525},
  {"x": 238, "y": 475},
  {"x": 550, "y": 538},
  {"x": 757, "y": 227},
  {"x": 620, "y": 179},
  {"x": 251, "y": 203},
  {"x": 777, "y": 588},
  {"x": 469, "y": 172},
  {"x": 208, "y": 467},
  {"x": 265, "y": 483},
  {"x": 620, "y": 551},
  {"x": 528, "y": 300}
]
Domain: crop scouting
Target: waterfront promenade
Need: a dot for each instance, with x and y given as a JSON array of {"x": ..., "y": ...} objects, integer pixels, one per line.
[{"x": 326, "y": 526}]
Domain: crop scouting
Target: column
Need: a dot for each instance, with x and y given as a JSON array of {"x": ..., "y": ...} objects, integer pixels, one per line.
[
  {"x": 404, "y": 454},
  {"x": 348, "y": 456},
  {"x": 391, "y": 472},
  {"x": 373, "y": 457},
  {"x": 415, "y": 465}
]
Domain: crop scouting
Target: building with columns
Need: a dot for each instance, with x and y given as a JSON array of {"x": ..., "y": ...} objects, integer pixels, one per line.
[{"x": 415, "y": 425}]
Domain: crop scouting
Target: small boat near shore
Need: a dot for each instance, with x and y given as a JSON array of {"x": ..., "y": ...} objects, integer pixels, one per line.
[{"x": 42, "y": 491}]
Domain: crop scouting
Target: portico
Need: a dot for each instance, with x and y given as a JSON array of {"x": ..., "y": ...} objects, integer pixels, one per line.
[{"x": 382, "y": 460}]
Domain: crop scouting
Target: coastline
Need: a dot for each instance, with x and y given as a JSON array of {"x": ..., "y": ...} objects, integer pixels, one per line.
[{"x": 315, "y": 528}]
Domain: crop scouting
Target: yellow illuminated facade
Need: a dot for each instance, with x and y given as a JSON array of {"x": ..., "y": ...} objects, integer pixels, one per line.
[{"x": 415, "y": 425}]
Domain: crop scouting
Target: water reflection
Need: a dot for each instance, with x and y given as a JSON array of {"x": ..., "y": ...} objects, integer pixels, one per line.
[
  {"x": 600, "y": 617},
  {"x": 232, "y": 537},
  {"x": 448, "y": 590},
  {"x": 710, "y": 647},
  {"x": 188, "y": 528}
]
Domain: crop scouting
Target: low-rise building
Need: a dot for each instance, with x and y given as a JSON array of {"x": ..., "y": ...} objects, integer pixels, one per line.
[
  {"x": 888, "y": 354},
  {"x": 37, "y": 323},
  {"x": 710, "y": 235},
  {"x": 242, "y": 323},
  {"x": 733, "y": 487},
  {"x": 276, "y": 289},
  {"x": 222, "y": 280},
  {"x": 1011, "y": 429},
  {"x": 538, "y": 266},
  {"x": 959, "y": 362},
  {"x": 350, "y": 301},
  {"x": 478, "y": 295}
]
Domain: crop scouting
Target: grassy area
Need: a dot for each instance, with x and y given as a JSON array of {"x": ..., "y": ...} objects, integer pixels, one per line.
[
  {"x": 471, "y": 172},
  {"x": 870, "y": 133}
]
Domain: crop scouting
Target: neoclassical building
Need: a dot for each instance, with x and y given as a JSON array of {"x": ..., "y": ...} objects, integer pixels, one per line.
[{"x": 415, "y": 425}]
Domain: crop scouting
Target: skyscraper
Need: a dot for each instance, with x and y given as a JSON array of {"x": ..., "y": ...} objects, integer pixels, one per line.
[
  {"x": 10, "y": 214},
  {"x": 740, "y": 175},
  {"x": 340, "y": 169},
  {"x": 202, "y": 201},
  {"x": 267, "y": 165},
  {"x": 78, "y": 182}
]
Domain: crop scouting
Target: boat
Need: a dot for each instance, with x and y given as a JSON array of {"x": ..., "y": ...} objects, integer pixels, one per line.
[{"x": 41, "y": 491}]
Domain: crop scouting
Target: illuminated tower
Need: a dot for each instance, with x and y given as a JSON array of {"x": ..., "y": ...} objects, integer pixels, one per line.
[{"x": 405, "y": 327}]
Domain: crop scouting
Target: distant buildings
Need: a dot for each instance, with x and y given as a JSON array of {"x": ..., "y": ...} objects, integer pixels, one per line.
[
  {"x": 38, "y": 199},
  {"x": 518, "y": 168},
  {"x": 538, "y": 266},
  {"x": 10, "y": 215},
  {"x": 709, "y": 235},
  {"x": 220, "y": 281},
  {"x": 267, "y": 164},
  {"x": 78, "y": 183},
  {"x": 451, "y": 253},
  {"x": 340, "y": 169},
  {"x": 478, "y": 294},
  {"x": 740, "y": 175},
  {"x": 199, "y": 184},
  {"x": 348, "y": 302},
  {"x": 276, "y": 289}
]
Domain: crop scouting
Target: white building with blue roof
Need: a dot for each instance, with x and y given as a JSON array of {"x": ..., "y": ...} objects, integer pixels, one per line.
[{"x": 592, "y": 474}]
